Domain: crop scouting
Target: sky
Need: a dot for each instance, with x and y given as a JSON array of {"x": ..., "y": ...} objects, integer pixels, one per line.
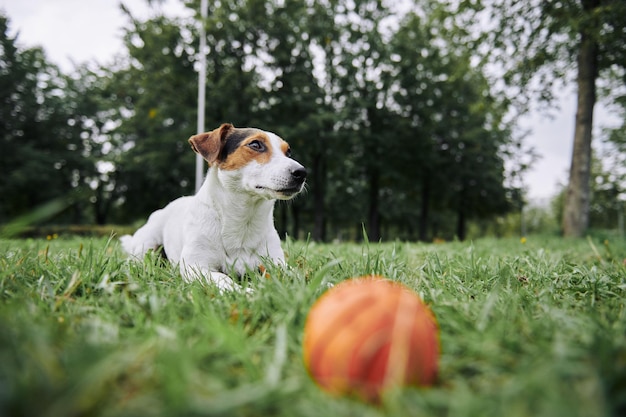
[{"x": 77, "y": 31}]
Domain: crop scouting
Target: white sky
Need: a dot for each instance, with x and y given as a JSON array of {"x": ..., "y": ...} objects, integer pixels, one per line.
[{"x": 75, "y": 31}]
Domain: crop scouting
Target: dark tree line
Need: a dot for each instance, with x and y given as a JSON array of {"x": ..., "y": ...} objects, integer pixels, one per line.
[{"x": 395, "y": 120}]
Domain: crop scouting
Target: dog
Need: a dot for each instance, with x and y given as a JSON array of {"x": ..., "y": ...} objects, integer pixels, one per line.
[{"x": 227, "y": 226}]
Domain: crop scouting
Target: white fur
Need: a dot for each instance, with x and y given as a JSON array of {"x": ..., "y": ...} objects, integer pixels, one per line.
[{"x": 227, "y": 227}]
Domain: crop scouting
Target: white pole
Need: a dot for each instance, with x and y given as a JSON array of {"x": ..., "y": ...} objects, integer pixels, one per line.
[{"x": 201, "y": 91}]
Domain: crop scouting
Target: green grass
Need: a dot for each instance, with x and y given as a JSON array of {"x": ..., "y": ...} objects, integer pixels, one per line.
[{"x": 527, "y": 329}]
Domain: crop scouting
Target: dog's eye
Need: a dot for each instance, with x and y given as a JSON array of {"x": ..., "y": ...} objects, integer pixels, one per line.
[
  {"x": 257, "y": 145},
  {"x": 288, "y": 153}
]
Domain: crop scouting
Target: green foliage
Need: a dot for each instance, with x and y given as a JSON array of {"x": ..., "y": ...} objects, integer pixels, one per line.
[
  {"x": 536, "y": 43},
  {"x": 539, "y": 46},
  {"x": 153, "y": 98},
  {"x": 526, "y": 328},
  {"x": 395, "y": 121},
  {"x": 40, "y": 146},
  {"x": 606, "y": 210},
  {"x": 447, "y": 104}
]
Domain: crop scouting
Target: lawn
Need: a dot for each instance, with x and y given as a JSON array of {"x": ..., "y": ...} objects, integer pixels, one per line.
[{"x": 534, "y": 328}]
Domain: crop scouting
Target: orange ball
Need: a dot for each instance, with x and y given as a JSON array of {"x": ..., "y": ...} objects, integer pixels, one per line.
[{"x": 367, "y": 335}]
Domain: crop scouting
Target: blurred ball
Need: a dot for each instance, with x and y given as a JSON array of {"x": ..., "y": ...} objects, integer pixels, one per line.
[{"x": 367, "y": 335}]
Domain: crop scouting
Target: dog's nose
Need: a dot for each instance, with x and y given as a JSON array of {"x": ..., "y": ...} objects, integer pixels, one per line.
[{"x": 299, "y": 174}]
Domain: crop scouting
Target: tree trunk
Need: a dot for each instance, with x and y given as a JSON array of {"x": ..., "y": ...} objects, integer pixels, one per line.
[
  {"x": 461, "y": 223},
  {"x": 101, "y": 207},
  {"x": 281, "y": 225},
  {"x": 373, "y": 232},
  {"x": 319, "y": 184},
  {"x": 295, "y": 223},
  {"x": 423, "y": 221},
  {"x": 577, "y": 199}
]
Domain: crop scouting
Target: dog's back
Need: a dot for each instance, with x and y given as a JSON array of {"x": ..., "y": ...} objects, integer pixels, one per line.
[{"x": 153, "y": 237}]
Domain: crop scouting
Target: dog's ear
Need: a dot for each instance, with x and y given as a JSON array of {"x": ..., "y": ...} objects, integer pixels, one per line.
[{"x": 210, "y": 144}]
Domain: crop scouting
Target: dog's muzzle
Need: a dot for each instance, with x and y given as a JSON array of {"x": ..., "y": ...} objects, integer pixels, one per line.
[
  {"x": 296, "y": 183},
  {"x": 299, "y": 175}
]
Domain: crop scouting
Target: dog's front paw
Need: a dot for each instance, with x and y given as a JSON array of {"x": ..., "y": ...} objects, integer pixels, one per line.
[
  {"x": 222, "y": 281},
  {"x": 226, "y": 283}
]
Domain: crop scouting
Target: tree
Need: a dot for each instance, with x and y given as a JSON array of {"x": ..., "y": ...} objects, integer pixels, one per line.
[
  {"x": 394, "y": 124},
  {"x": 609, "y": 177},
  {"x": 535, "y": 43},
  {"x": 152, "y": 93},
  {"x": 455, "y": 155},
  {"x": 606, "y": 207},
  {"x": 364, "y": 102},
  {"x": 41, "y": 153},
  {"x": 96, "y": 185},
  {"x": 293, "y": 100}
]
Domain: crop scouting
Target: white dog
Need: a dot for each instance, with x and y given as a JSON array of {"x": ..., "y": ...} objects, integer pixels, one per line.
[{"x": 228, "y": 226}]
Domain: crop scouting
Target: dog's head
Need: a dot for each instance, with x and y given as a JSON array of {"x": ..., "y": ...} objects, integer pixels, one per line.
[{"x": 251, "y": 160}]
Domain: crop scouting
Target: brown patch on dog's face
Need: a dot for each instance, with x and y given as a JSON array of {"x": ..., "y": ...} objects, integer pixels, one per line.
[
  {"x": 258, "y": 163},
  {"x": 284, "y": 146},
  {"x": 210, "y": 144},
  {"x": 253, "y": 148}
]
